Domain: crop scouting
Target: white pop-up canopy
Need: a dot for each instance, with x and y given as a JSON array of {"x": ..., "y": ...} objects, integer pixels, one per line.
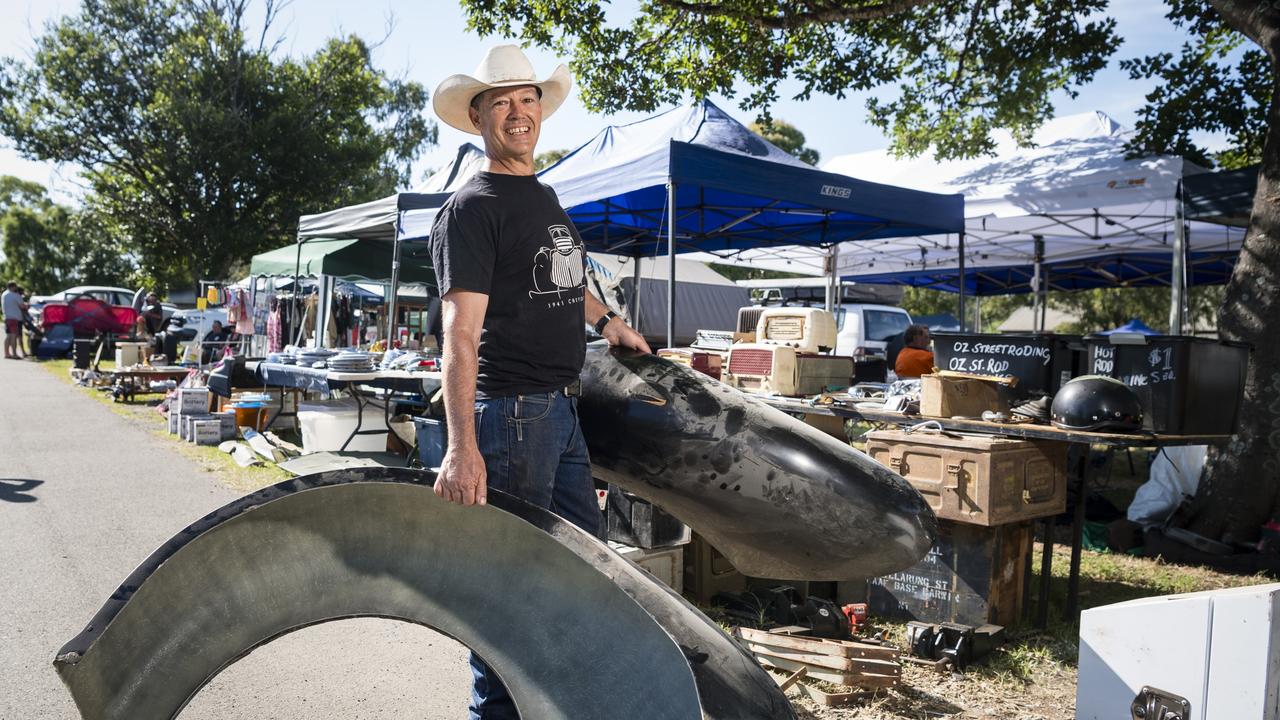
[
  {"x": 1073, "y": 196},
  {"x": 376, "y": 220}
]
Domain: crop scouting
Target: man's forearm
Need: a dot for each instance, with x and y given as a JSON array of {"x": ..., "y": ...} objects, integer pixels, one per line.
[{"x": 461, "y": 364}]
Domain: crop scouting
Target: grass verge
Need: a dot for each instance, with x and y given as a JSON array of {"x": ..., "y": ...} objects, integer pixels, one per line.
[{"x": 143, "y": 413}]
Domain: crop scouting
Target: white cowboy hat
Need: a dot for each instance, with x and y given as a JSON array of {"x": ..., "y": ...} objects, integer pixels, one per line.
[{"x": 503, "y": 66}]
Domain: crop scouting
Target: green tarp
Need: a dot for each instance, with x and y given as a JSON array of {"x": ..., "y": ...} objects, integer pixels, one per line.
[{"x": 347, "y": 259}]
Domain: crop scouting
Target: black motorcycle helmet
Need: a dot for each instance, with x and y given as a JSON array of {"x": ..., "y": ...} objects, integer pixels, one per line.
[{"x": 1096, "y": 402}]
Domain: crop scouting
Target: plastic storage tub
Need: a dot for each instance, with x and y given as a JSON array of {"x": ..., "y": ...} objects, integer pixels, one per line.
[
  {"x": 1042, "y": 362},
  {"x": 1188, "y": 385},
  {"x": 327, "y": 424}
]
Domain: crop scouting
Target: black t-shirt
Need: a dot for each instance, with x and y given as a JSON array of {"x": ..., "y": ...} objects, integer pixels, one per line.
[{"x": 506, "y": 236}]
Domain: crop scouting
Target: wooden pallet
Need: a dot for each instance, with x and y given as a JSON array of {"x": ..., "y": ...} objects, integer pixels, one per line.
[{"x": 863, "y": 668}]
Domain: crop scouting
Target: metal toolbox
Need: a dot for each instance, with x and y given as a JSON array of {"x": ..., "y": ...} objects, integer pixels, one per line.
[{"x": 977, "y": 479}]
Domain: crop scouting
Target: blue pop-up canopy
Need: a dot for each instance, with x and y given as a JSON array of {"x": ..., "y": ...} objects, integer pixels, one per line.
[
  {"x": 694, "y": 179},
  {"x": 1134, "y": 326},
  {"x": 1129, "y": 270}
]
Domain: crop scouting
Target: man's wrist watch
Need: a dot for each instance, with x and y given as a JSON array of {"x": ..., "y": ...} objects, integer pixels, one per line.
[{"x": 604, "y": 320}]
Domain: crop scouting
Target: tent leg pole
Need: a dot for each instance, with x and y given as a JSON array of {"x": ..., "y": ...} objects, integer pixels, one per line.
[
  {"x": 960, "y": 249},
  {"x": 833, "y": 278},
  {"x": 395, "y": 292},
  {"x": 635, "y": 296},
  {"x": 1177, "y": 274},
  {"x": 297, "y": 301},
  {"x": 671, "y": 267},
  {"x": 1038, "y": 283}
]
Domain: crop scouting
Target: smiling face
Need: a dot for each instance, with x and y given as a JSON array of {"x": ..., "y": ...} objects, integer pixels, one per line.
[{"x": 509, "y": 120}]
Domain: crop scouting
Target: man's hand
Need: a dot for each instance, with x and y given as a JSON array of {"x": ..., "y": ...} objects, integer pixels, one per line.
[
  {"x": 462, "y": 477},
  {"x": 618, "y": 333}
]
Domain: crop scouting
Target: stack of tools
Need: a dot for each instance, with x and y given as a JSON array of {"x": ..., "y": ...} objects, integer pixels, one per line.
[
  {"x": 859, "y": 668},
  {"x": 951, "y": 645}
]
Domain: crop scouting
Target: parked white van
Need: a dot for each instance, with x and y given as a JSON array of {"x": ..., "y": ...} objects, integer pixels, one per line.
[{"x": 864, "y": 329}]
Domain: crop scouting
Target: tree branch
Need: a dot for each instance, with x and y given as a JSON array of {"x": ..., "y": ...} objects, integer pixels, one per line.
[
  {"x": 1257, "y": 21},
  {"x": 820, "y": 14}
]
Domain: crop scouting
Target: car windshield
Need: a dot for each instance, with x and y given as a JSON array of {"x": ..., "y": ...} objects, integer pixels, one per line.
[{"x": 883, "y": 324}]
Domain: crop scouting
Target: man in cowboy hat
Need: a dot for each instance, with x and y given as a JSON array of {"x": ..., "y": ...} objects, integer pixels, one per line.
[{"x": 511, "y": 271}]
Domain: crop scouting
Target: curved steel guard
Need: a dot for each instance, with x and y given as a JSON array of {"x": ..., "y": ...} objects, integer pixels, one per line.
[
  {"x": 574, "y": 630},
  {"x": 779, "y": 498}
]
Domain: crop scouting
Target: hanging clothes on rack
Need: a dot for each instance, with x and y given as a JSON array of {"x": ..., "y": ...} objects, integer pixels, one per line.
[
  {"x": 275, "y": 337},
  {"x": 244, "y": 319}
]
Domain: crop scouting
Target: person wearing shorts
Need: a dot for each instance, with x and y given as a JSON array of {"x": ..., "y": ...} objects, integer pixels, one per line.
[{"x": 14, "y": 309}]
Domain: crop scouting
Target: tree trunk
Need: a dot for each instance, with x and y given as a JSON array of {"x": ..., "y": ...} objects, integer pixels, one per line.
[{"x": 1239, "y": 491}]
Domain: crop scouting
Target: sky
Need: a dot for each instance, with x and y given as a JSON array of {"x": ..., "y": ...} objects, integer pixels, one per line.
[{"x": 429, "y": 41}]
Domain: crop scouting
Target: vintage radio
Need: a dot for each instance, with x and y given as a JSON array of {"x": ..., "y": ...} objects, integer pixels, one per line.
[
  {"x": 785, "y": 359},
  {"x": 705, "y": 362}
]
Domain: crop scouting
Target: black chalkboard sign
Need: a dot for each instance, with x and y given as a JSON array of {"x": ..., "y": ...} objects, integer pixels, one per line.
[
  {"x": 1041, "y": 362},
  {"x": 1187, "y": 385}
]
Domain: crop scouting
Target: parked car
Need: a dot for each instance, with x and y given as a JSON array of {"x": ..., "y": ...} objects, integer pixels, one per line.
[{"x": 864, "y": 329}]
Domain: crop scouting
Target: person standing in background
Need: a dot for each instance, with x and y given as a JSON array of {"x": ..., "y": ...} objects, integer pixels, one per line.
[{"x": 15, "y": 310}]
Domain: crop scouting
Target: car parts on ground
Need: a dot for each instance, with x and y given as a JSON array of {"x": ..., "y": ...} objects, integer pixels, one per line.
[{"x": 574, "y": 630}]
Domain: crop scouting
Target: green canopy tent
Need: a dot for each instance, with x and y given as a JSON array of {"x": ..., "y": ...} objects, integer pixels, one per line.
[
  {"x": 329, "y": 259},
  {"x": 348, "y": 259}
]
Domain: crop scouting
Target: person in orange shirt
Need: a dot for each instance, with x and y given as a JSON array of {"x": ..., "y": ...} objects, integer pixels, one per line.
[{"x": 916, "y": 358}]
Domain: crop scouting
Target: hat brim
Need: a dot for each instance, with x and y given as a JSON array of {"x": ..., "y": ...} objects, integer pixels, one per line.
[{"x": 453, "y": 96}]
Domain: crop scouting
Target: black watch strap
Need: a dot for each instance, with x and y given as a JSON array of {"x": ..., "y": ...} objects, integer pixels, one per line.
[{"x": 604, "y": 320}]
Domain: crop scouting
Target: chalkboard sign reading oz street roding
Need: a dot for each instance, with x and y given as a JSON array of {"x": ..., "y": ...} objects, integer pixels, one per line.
[{"x": 1040, "y": 362}]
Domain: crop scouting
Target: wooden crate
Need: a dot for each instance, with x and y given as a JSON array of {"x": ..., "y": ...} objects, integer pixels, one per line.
[
  {"x": 978, "y": 479},
  {"x": 972, "y": 575},
  {"x": 858, "y": 667}
]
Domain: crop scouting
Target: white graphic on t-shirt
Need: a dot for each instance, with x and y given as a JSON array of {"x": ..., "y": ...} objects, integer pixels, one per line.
[{"x": 558, "y": 269}]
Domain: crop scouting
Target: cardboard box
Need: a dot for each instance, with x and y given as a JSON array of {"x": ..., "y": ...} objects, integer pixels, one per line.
[
  {"x": 193, "y": 400},
  {"x": 666, "y": 564},
  {"x": 187, "y": 432},
  {"x": 207, "y": 431},
  {"x": 958, "y": 397}
]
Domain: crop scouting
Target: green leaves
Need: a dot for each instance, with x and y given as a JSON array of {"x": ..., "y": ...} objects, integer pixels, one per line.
[
  {"x": 788, "y": 137},
  {"x": 47, "y": 247},
  {"x": 201, "y": 145},
  {"x": 1218, "y": 83},
  {"x": 948, "y": 71}
]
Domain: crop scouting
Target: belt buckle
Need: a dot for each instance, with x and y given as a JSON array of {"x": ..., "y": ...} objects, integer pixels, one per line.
[{"x": 573, "y": 389}]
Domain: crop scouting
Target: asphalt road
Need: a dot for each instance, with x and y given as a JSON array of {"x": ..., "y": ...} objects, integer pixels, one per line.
[{"x": 85, "y": 495}]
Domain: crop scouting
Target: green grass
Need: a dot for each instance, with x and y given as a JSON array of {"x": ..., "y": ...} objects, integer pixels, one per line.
[{"x": 142, "y": 412}]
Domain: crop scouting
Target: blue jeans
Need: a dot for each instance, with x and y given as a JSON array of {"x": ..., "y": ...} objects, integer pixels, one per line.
[{"x": 533, "y": 449}]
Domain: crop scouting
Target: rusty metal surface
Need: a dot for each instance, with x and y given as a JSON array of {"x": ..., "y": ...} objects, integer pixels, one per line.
[
  {"x": 574, "y": 630},
  {"x": 779, "y": 498}
]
